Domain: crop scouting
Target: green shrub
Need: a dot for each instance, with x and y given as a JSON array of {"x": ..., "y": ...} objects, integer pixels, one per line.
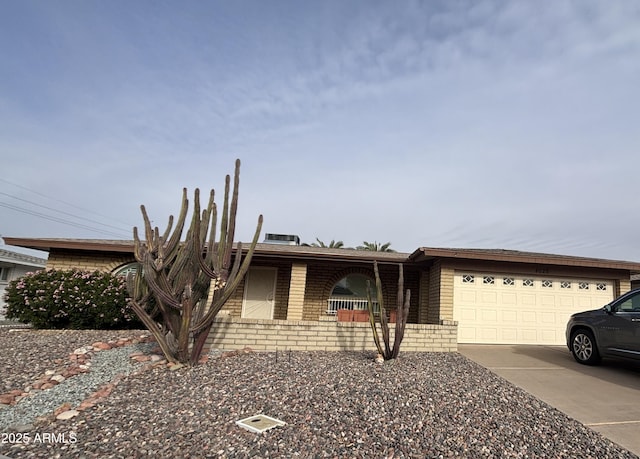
[{"x": 70, "y": 299}]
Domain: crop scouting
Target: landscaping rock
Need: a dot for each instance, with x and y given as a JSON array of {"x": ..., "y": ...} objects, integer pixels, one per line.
[
  {"x": 341, "y": 404},
  {"x": 67, "y": 415}
]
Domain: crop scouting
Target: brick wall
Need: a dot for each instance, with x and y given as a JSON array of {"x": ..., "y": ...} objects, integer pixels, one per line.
[
  {"x": 622, "y": 286},
  {"x": 269, "y": 335},
  {"x": 296, "y": 291},
  {"x": 89, "y": 261},
  {"x": 446, "y": 293}
]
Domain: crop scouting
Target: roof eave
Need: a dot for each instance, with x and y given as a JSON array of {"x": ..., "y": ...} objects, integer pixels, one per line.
[
  {"x": 71, "y": 244},
  {"x": 428, "y": 253},
  {"x": 262, "y": 249}
]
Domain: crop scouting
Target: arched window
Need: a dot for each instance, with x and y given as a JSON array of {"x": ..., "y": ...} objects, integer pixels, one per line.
[
  {"x": 123, "y": 271},
  {"x": 350, "y": 292}
]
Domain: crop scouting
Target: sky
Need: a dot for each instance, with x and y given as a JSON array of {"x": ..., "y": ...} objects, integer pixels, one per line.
[{"x": 500, "y": 124}]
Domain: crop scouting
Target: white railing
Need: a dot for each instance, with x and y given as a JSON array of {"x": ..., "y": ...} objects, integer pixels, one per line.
[{"x": 353, "y": 304}]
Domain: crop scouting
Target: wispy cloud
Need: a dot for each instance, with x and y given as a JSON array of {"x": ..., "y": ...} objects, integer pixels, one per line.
[{"x": 496, "y": 124}]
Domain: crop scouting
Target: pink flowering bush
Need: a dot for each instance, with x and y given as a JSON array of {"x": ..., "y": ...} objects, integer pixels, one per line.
[{"x": 70, "y": 299}]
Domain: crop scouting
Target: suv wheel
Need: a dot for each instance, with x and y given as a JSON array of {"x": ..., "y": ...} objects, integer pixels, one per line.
[{"x": 583, "y": 347}]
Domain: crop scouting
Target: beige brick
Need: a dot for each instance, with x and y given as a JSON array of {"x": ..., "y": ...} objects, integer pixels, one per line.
[{"x": 329, "y": 336}]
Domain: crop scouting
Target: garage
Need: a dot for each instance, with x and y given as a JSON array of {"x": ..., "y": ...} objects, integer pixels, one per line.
[{"x": 499, "y": 308}]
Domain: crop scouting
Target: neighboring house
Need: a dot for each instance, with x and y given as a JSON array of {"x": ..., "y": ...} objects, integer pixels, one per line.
[
  {"x": 494, "y": 296},
  {"x": 12, "y": 266},
  {"x": 635, "y": 281}
]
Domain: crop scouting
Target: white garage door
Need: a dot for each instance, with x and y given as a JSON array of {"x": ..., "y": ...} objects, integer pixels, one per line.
[{"x": 506, "y": 309}]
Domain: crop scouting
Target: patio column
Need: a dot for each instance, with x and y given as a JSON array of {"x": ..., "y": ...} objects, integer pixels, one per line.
[
  {"x": 622, "y": 286},
  {"x": 297, "y": 286}
]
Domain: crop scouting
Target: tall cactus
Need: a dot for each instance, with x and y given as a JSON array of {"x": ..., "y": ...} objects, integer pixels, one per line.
[
  {"x": 402, "y": 313},
  {"x": 178, "y": 277}
]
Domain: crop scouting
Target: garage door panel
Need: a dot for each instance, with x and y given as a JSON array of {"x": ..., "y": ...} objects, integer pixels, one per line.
[
  {"x": 489, "y": 315},
  {"x": 528, "y": 317},
  {"x": 584, "y": 302},
  {"x": 489, "y": 334},
  {"x": 468, "y": 314},
  {"x": 509, "y": 298},
  {"x": 548, "y": 317},
  {"x": 547, "y": 300},
  {"x": 509, "y": 316},
  {"x": 489, "y": 297},
  {"x": 566, "y": 301},
  {"x": 547, "y": 336},
  {"x": 509, "y": 334},
  {"x": 529, "y": 335},
  {"x": 522, "y": 309},
  {"x": 467, "y": 334},
  {"x": 468, "y": 296}
]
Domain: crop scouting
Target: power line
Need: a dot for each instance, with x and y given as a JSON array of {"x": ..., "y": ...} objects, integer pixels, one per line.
[
  {"x": 64, "y": 202},
  {"x": 62, "y": 212},
  {"x": 59, "y": 220}
]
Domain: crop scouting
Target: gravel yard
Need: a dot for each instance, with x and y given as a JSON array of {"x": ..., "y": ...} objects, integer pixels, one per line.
[{"x": 334, "y": 405}]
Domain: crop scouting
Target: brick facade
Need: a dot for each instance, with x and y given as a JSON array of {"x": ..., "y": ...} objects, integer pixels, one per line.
[
  {"x": 88, "y": 261},
  {"x": 297, "y": 287},
  {"x": 269, "y": 335},
  {"x": 622, "y": 286}
]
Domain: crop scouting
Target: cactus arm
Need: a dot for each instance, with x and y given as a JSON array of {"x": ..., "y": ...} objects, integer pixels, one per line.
[
  {"x": 232, "y": 217},
  {"x": 383, "y": 312},
  {"x": 152, "y": 326},
  {"x": 372, "y": 320},
  {"x": 173, "y": 242},
  {"x": 211, "y": 247},
  {"x": 236, "y": 264},
  {"x": 147, "y": 224},
  {"x": 222, "y": 243},
  {"x": 229, "y": 288},
  {"x": 401, "y": 321}
]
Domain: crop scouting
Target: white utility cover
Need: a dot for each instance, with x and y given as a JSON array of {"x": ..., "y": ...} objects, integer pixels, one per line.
[{"x": 260, "y": 423}]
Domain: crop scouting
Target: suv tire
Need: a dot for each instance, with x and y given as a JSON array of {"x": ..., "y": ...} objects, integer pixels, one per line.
[{"x": 583, "y": 347}]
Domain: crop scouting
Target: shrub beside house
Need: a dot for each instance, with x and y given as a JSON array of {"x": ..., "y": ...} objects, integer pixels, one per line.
[{"x": 12, "y": 266}]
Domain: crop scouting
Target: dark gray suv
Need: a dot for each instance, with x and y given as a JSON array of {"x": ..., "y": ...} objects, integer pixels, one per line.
[{"x": 612, "y": 331}]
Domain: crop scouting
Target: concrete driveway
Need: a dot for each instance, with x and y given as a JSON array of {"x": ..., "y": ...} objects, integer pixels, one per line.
[{"x": 605, "y": 398}]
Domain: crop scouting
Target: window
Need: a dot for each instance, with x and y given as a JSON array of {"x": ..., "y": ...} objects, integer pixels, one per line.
[
  {"x": 601, "y": 286},
  {"x": 124, "y": 271},
  {"x": 4, "y": 273},
  {"x": 565, "y": 284},
  {"x": 488, "y": 280},
  {"x": 350, "y": 292},
  {"x": 527, "y": 282},
  {"x": 547, "y": 283},
  {"x": 630, "y": 305},
  {"x": 508, "y": 281},
  {"x": 583, "y": 286},
  {"x": 468, "y": 279}
]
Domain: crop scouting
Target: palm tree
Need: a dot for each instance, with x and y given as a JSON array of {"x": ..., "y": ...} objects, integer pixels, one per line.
[
  {"x": 332, "y": 245},
  {"x": 375, "y": 247}
]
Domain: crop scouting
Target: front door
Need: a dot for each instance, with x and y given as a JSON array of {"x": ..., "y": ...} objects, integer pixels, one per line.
[{"x": 259, "y": 292}]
